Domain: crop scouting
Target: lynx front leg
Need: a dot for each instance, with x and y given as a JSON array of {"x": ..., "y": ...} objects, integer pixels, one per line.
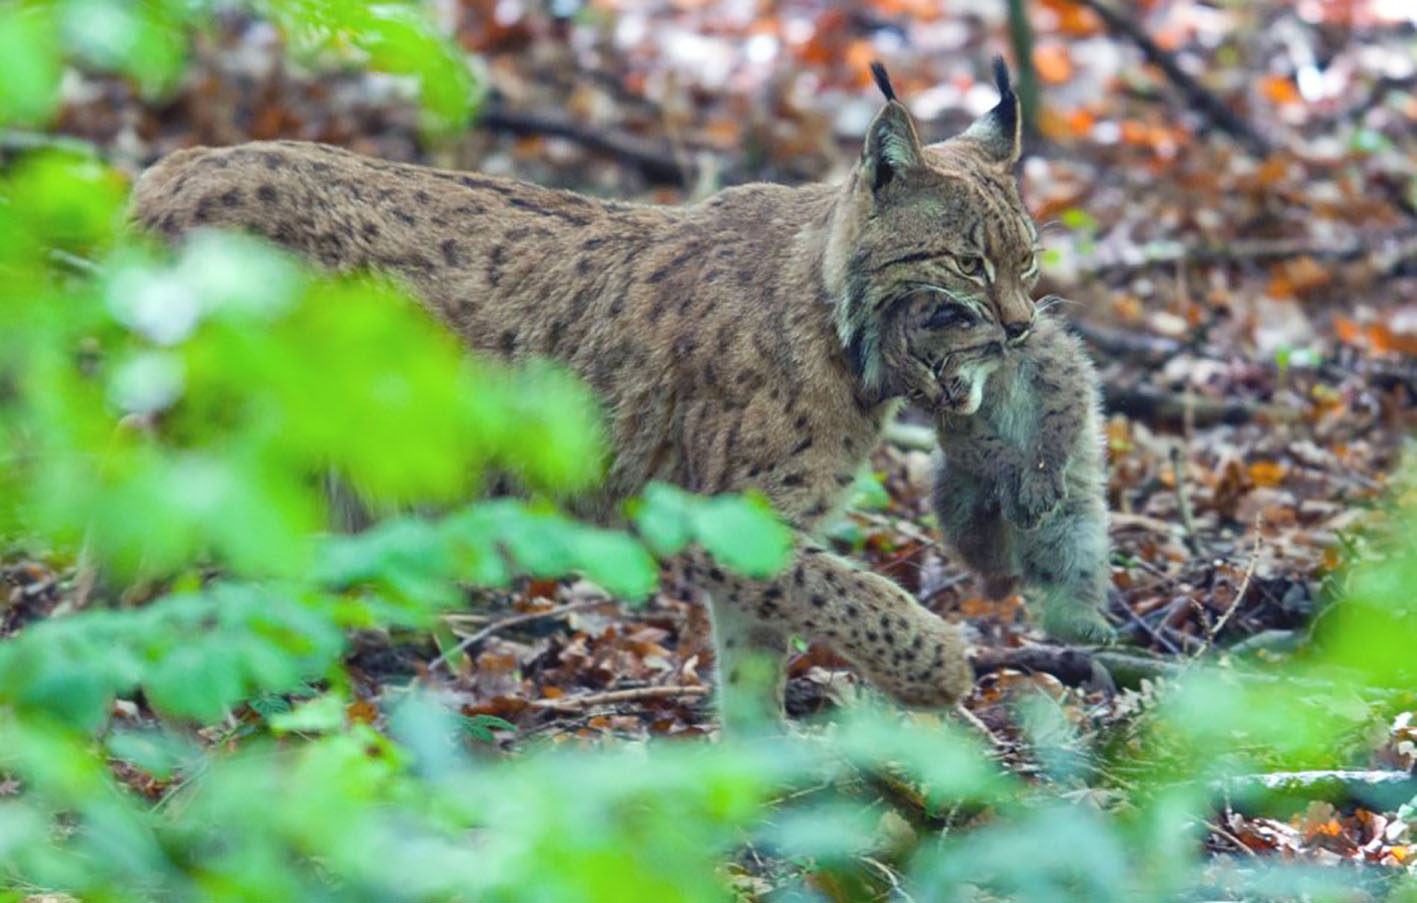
[
  {"x": 751, "y": 673},
  {"x": 902, "y": 648}
]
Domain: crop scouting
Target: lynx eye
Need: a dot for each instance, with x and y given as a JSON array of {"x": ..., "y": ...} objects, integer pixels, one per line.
[
  {"x": 972, "y": 267},
  {"x": 949, "y": 315}
]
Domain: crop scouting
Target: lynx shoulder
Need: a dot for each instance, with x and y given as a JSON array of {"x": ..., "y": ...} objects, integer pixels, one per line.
[
  {"x": 1020, "y": 490},
  {"x": 755, "y": 340}
]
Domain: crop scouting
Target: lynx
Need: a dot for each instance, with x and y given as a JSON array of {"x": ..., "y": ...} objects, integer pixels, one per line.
[
  {"x": 1020, "y": 489},
  {"x": 758, "y": 339}
]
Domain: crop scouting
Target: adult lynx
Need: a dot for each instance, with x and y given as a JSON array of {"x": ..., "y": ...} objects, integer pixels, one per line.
[{"x": 756, "y": 340}]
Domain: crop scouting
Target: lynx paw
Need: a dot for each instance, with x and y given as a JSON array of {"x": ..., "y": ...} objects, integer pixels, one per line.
[
  {"x": 1072, "y": 624},
  {"x": 1037, "y": 495}
]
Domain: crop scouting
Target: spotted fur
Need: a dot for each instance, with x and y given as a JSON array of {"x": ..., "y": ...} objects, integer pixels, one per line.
[{"x": 756, "y": 340}]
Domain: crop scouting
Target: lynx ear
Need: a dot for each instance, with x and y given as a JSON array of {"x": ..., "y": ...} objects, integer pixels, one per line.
[
  {"x": 997, "y": 131},
  {"x": 892, "y": 144}
]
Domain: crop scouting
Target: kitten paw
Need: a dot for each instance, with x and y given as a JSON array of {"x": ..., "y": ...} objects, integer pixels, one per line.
[{"x": 1079, "y": 625}]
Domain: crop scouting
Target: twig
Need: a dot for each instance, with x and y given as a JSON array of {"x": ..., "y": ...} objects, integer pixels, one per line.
[
  {"x": 975, "y": 722},
  {"x": 1244, "y": 588},
  {"x": 484, "y": 633},
  {"x": 1220, "y": 829},
  {"x": 573, "y": 703},
  {"x": 897, "y": 892},
  {"x": 18, "y": 140},
  {"x": 1196, "y": 94},
  {"x": 1139, "y": 625},
  {"x": 1183, "y": 501},
  {"x": 80, "y": 265}
]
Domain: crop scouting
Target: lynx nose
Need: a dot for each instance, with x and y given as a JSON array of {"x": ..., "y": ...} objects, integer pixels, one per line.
[{"x": 1018, "y": 331}]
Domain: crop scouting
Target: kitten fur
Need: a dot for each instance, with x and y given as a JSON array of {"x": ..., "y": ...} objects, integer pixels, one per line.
[{"x": 1020, "y": 488}]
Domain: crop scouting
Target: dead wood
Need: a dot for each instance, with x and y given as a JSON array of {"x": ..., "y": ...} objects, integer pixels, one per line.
[
  {"x": 1171, "y": 409},
  {"x": 575, "y": 703},
  {"x": 1196, "y": 94},
  {"x": 655, "y": 160},
  {"x": 1073, "y": 667}
]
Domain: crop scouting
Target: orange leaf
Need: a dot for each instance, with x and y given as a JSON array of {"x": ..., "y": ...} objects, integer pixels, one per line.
[
  {"x": 859, "y": 56},
  {"x": 1074, "y": 18},
  {"x": 1279, "y": 90},
  {"x": 1303, "y": 273},
  {"x": 1271, "y": 171},
  {"x": 1134, "y": 132},
  {"x": 1080, "y": 121},
  {"x": 1053, "y": 62},
  {"x": 362, "y": 711},
  {"x": 1266, "y": 473},
  {"x": 1349, "y": 332},
  {"x": 1384, "y": 341},
  {"x": 1331, "y": 560}
]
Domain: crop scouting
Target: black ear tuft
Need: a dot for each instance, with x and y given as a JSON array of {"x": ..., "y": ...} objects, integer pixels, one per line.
[
  {"x": 997, "y": 131},
  {"x": 1001, "y": 78},
  {"x": 883, "y": 81},
  {"x": 1006, "y": 113}
]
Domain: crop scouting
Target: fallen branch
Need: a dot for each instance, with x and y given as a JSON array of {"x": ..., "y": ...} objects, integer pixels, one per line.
[
  {"x": 1073, "y": 667},
  {"x": 1172, "y": 409},
  {"x": 1129, "y": 669},
  {"x": 475, "y": 638},
  {"x": 574, "y": 703},
  {"x": 1284, "y": 780},
  {"x": 1156, "y": 350},
  {"x": 1378, "y": 789},
  {"x": 1389, "y": 250},
  {"x": 1196, "y": 94},
  {"x": 655, "y": 160}
]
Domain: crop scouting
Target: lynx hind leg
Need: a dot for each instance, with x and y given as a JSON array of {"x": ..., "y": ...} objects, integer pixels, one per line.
[
  {"x": 1065, "y": 567},
  {"x": 975, "y": 528}
]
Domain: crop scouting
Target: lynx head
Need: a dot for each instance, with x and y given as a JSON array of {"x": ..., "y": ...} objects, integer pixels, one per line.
[{"x": 938, "y": 227}]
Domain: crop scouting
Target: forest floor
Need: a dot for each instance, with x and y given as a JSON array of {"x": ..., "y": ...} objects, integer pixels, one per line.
[{"x": 1246, "y": 278}]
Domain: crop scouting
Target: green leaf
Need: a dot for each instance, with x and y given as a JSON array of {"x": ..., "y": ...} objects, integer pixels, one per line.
[
  {"x": 29, "y": 90},
  {"x": 1079, "y": 219},
  {"x": 616, "y": 562},
  {"x": 482, "y": 726},
  {"x": 322, "y": 715},
  {"x": 744, "y": 534},
  {"x": 663, "y": 516},
  {"x": 158, "y": 752}
]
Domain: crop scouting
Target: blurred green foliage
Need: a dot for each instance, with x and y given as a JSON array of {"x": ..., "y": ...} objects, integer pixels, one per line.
[{"x": 176, "y": 415}]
